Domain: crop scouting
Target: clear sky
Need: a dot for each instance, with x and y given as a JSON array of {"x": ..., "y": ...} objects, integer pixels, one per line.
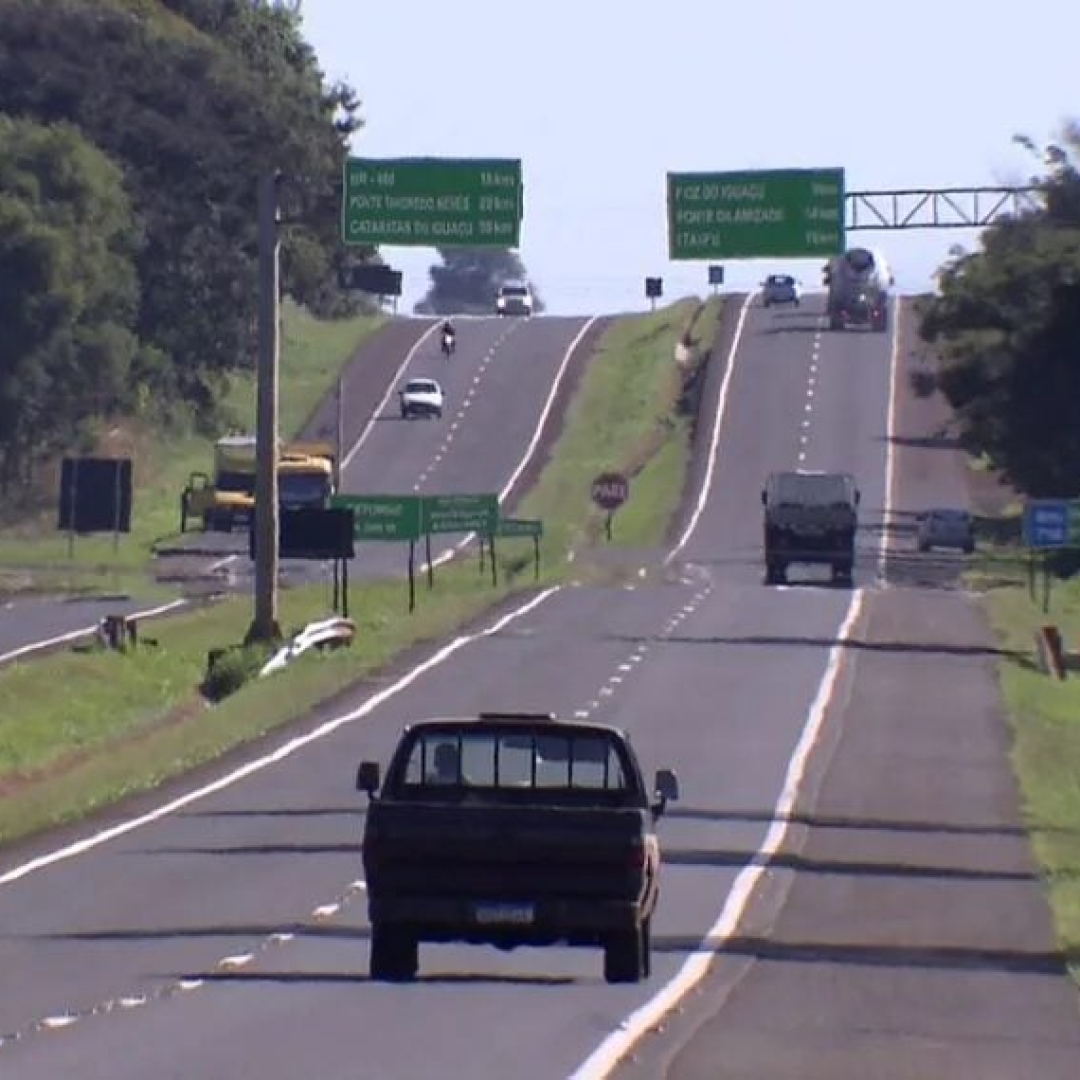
[{"x": 601, "y": 98}]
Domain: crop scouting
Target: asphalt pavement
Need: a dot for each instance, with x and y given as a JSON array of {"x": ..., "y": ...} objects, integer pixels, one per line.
[
  {"x": 225, "y": 935},
  {"x": 497, "y": 386},
  {"x": 33, "y": 623}
]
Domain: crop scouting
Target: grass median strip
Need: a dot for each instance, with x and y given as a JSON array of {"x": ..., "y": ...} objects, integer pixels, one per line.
[
  {"x": 35, "y": 554},
  {"x": 136, "y": 719},
  {"x": 1045, "y": 716}
]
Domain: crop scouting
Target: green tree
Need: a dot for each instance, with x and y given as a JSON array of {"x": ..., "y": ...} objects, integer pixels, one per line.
[
  {"x": 68, "y": 289},
  {"x": 1006, "y": 323},
  {"x": 467, "y": 279},
  {"x": 193, "y": 119}
]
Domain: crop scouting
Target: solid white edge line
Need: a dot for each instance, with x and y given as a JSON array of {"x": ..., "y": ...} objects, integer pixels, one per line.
[
  {"x": 714, "y": 439},
  {"x": 890, "y": 445},
  {"x": 281, "y": 753},
  {"x": 86, "y": 631},
  {"x": 538, "y": 432},
  {"x": 606, "y": 1057},
  {"x": 397, "y": 377}
]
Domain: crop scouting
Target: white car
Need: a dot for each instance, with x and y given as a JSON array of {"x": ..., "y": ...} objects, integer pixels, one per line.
[
  {"x": 780, "y": 289},
  {"x": 944, "y": 528},
  {"x": 421, "y": 397},
  {"x": 514, "y": 299}
]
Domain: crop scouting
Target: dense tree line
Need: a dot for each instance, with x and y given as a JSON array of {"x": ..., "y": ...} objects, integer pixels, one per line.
[
  {"x": 133, "y": 132},
  {"x": 1006, "y": 323},
  {"x": 466, "y": 280}
]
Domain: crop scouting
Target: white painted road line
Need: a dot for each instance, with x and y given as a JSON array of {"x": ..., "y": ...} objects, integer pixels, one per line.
[
  {"x": 530, "y": 450},
  {"x": 86, "y": 631},
  {"x": 890, "y": 445},
  {"x": 619, "y": 1043},
  {"x": 287, "y": 750},
  {"x": 607, "y": 1056},
  {"x": 398, "y": 376},
  {"x": 714, "y": 440}
]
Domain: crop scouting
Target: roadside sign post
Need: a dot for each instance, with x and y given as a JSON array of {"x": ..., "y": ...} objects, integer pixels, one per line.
[
  {"x": 412, "y": 576},
  {"x": 774, "y": 213},
  {"x": 432, "y": 202},
  {"x": 385, "y": 519},
  {"x": 609, "y": 491},
  {"x": 444, "y": 515},
  {"x": 1049, "y": 525},
  {"x": 427, "y": 556},
  {"x": 527, "y": 528}
]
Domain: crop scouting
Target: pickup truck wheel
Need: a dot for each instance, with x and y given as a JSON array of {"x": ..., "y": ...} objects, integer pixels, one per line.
[
  {"x": 394, "y": 955},
  {"x": 624, "y": 956}
]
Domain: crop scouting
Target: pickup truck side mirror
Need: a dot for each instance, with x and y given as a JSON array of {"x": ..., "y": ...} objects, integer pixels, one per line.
[
  {"x": 764, "y": 498},
  {"x": 367, "y": 778},
  {"x": 666, "y": 789}
]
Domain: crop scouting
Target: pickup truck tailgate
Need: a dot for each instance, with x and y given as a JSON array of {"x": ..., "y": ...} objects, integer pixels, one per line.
[{"x": 505, "y": 851}]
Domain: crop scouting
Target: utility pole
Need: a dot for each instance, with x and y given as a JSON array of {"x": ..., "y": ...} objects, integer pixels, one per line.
[{"x": 265, "y": 626}]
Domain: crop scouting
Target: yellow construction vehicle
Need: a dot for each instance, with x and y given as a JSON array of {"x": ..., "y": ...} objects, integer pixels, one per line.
[{"x": 227, "y": 499}]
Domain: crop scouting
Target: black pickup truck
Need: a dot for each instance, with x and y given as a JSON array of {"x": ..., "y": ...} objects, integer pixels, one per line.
[{"x": 512, "y": 829}]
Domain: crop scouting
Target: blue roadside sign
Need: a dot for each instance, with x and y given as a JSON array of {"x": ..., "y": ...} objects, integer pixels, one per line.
[{"x": 1046, "y": 522}]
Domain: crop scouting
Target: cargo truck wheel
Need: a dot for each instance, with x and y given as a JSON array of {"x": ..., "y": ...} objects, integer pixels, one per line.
[
  {"x": 775, "y": 573},
  {"x": 625, "y": 956},
  {"x": 394, "y": 954}
]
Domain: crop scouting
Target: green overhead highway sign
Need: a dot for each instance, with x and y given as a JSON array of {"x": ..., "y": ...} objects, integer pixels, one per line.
[
  {"x": 521, "y": 527},
  {"x": 432, "y": 202},
  {"x": 382, "y": 517},
  {"x": 460, "y": 514},
  {"x": 777, "y": 213}
]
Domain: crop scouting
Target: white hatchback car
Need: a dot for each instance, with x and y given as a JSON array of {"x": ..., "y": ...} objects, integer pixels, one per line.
[
  {"x": 514, "y": 299},
  {"x": 945, "y": 528},
  {"x": 421, "y": 397},
  {"x": 780, "y": 289}
]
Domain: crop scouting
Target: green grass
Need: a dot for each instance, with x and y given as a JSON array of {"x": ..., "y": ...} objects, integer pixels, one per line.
[
  {"x": 623, "y": 418},
  {"x": 139, "y": 719},
  {"x": 33, "y": 555},
  {"x": 1045, "y": 718}
]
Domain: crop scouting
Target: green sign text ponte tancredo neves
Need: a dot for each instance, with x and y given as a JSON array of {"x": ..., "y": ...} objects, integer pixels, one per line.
[{"x": 432, "y": 202}]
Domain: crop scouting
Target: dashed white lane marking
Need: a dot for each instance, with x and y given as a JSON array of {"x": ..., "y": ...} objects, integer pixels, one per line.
[
  {"x": 230, "y": 963},
  {"x": 648, "y": 1017},
  {"x": 222, "y": 969}
]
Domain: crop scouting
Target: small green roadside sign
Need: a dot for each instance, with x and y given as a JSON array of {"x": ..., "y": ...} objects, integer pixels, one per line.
[
  {"x": 444, "y": 514},
  {"x": 383, "y": 517},
  {"x": 521, "y": 527},
  {"x": 432, "y": 202},
  {"x": 775, "y": 213}
]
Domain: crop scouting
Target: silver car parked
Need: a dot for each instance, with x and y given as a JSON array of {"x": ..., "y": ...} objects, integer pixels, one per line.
[{"x": 947, "y": 528}]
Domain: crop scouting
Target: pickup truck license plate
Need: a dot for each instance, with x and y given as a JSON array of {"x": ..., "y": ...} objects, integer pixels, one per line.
[{"x": 504, "y": 914}]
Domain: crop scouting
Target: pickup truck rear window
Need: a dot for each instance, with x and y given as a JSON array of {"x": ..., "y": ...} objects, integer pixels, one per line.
[{"x": 515, "y": 761}]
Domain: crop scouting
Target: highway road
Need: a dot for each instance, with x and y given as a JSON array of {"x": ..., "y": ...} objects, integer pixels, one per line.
[
  {"x": 224, "y": 933},
  {"x": 498, "y": 388},
  {"x": 505, "y": 388},
  {"x": 31, "y": 624}
]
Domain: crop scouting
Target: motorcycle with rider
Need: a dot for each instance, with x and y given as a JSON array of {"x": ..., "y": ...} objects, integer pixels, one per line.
[{"x": 449, "y": 339}]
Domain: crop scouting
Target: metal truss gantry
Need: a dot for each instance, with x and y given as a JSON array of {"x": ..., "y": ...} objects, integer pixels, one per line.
[{"x": 937, "y": 208}]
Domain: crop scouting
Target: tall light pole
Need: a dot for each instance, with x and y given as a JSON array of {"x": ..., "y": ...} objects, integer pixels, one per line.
[{"x": 265, "y": 627}]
